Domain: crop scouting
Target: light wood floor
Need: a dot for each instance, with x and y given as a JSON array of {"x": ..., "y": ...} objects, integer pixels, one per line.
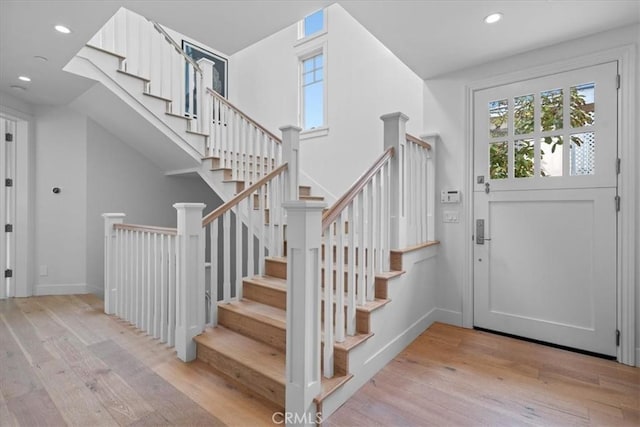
[
  {"x": 63, "y": 362},
  {"x": 454, "y": 376}
]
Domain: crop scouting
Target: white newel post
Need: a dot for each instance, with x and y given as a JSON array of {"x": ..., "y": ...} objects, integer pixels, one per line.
[
  {"x": 432, "y": 139},
  {"x": 290, "y": 154},
  {"x": 109, "y": 260},
  {"x": 205, "y": 114},
  {"x": 190, "y": 289},
  {"x": 395, "y": 136},
  {"x": 304, "y": 229}
]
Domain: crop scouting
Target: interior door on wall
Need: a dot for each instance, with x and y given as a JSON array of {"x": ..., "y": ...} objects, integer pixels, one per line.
[
  {"x": 7, "y": 206},
  {"x": 545, "y": 153}
]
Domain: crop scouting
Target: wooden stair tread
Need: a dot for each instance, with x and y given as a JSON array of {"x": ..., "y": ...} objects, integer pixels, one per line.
[
  {"x": 265, "y": 313},
  {"x": 253, "y": 354},
  {"x": 117, "y": 55},
  {"x": 194, "y": 132},
  {"x": 415, "y": 247},
  {"x": 368, "y": 307},
  {"x": 350, "y": 341},
  {"x": 153, "y": 95},
  {"x": 268, "y": 281},
  {"x": 169, "y": 113},
  {"x": 135, "y": 76},
  {"x": 316, "y": 198},
  {"x": 329, "y": 385}
]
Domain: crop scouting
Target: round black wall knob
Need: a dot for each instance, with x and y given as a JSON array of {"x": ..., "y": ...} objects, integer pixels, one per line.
[{"x": 56, "y": 190}]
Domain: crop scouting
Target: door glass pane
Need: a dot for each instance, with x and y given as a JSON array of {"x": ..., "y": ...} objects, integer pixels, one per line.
[
  {"x": 498, "y": 115},
  {"x": 499, "y": 160},
  {"x": 582, "y": 150},
  {"x": 523, "y": 158},
  {"x": 582, "y": 105},
  {"x": 551, "y": 115},
  {"x": 551, "y": 156},
  {"x": 523, "y": 115}
]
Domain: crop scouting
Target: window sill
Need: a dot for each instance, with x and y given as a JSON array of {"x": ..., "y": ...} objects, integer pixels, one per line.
[
  {"x": 311, "y": 38},
  {"x": 314, "y": 133}
]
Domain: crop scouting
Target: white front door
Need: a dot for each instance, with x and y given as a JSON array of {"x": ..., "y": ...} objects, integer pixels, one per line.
[{"x": 545, "y": 156}]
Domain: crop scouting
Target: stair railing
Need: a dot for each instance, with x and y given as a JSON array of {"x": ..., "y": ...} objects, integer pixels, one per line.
[
  {"x": 242, "y": 145},
  {"x": 153, "y": 274},
  {"x": 251, "y": 226},
  {"x": 390, "y": 206}
]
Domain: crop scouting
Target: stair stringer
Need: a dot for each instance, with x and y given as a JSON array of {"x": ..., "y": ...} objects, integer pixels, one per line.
[
  {"x": 103, "y": 68},
  {"x": 410, "y": 312}
]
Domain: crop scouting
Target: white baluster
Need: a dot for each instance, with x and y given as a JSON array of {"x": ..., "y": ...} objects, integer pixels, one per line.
[
  {"x": 261, "y": 249},
  {"x": 362, "y": 250},
  {"x": 226, "y": 253},
  {"x": 250, "y": 213},
  {"x": 156, "y": 288},
  {"x": 370, "y": 240},
  {"x": 172, "y": 275},
  {"x": 213, "y": 230},
  {"x": 328, "y": 304},
  {"x": 239, "y": 246},
  {"x": 351, "y": 272},
  {"x": 340, "y": 327},
  {"x": 164, "y": 287}
]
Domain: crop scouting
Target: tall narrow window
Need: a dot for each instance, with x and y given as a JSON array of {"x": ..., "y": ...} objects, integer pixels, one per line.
[
  {"x": 313, "y": 92},
  {"x": 313, "y": 23}
]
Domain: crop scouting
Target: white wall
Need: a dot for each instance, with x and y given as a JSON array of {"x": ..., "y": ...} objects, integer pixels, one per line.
[
  {"x": 120, "y": 179},
  {"x": 445, "y": 112},
  {"x": 60, "y": 161},
  {"x": 364, "y": 81},
  {"x": 96, "y": 173}
]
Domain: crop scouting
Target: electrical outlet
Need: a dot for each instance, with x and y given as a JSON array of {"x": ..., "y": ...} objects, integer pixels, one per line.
[
  {"x": 450, "y": 217},
  {"x": 44, "y": 270}
]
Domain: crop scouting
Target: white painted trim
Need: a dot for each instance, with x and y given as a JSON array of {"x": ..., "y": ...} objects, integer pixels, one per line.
[
  {"x": 625, "y": 55},
  {"x": 62, "y": 289},
  {"x": 449, "y": 317}
]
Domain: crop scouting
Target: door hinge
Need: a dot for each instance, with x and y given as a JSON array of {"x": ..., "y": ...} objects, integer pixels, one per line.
[
  {"x": 8, "y": 137},
  {"x": 8, "y": 182},
  {"x": 8, "y": 228},
  {"x": 8, "y": 273},
  {"x": 617, "y": 337},
  {"x": 617, "y": 81},
  {"x": 617, "y": 203},
  {"x": 618, "y": 165}
]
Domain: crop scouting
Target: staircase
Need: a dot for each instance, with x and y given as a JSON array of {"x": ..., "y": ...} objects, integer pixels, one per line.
[{"x": 303, "y": 334}]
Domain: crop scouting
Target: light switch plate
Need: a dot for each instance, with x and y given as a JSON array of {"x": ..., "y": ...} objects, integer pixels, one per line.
[{"x": 450, "y": 217}]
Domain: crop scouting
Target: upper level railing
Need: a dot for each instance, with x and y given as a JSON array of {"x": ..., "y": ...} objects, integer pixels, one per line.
[{"x": 149, "y": 52}]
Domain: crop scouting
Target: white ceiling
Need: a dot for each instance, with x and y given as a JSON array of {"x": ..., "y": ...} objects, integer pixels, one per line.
[{"x": 431, "y": 37}]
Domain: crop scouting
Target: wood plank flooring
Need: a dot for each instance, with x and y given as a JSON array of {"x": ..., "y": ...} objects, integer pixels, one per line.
[
  {"x": 63, "y": 362},
  {"x": 455, "y": 376}
]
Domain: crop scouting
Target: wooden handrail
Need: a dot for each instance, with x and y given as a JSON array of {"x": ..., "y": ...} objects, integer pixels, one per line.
[
  {"x": 337, "y": 208},
  {"x": 146, "y": 229},
  {"x": 242, "y": 195},
  {"x": 418, "y": 141},
  {"x": 246, "y": 117},
  {"x": 176, "y": 46}
]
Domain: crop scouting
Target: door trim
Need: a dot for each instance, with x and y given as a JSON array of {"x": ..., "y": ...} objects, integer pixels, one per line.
[{"x": 626, "y": 282}]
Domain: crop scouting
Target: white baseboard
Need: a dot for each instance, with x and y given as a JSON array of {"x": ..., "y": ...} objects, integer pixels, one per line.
[
  {"x": 62, "y": 289},
  {"x": 449, "y": 317},
  {"x": 638, "y": 357},
  {"x": 98, "y": 291}
]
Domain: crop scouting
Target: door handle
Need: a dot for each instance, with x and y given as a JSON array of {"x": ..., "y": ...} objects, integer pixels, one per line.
[{"x": 480, "y": 239}]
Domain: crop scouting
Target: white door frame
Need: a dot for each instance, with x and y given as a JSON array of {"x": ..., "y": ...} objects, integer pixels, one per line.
[
  {"x": 626, "y": 283},
  {"x": 24, "y": 263}
]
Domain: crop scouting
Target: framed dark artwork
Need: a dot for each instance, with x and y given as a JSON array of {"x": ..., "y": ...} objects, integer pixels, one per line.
[{"x": 219, "y": 83}]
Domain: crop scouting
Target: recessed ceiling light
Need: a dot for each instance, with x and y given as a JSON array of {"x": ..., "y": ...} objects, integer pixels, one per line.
[
  {"x": 17, "y": 87},
  {"x": 493, "y": 18},
  {"x": 62, "y": 29},
  {"x": 25, "y": 78},
  {"x": 41, "y": 58}
]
